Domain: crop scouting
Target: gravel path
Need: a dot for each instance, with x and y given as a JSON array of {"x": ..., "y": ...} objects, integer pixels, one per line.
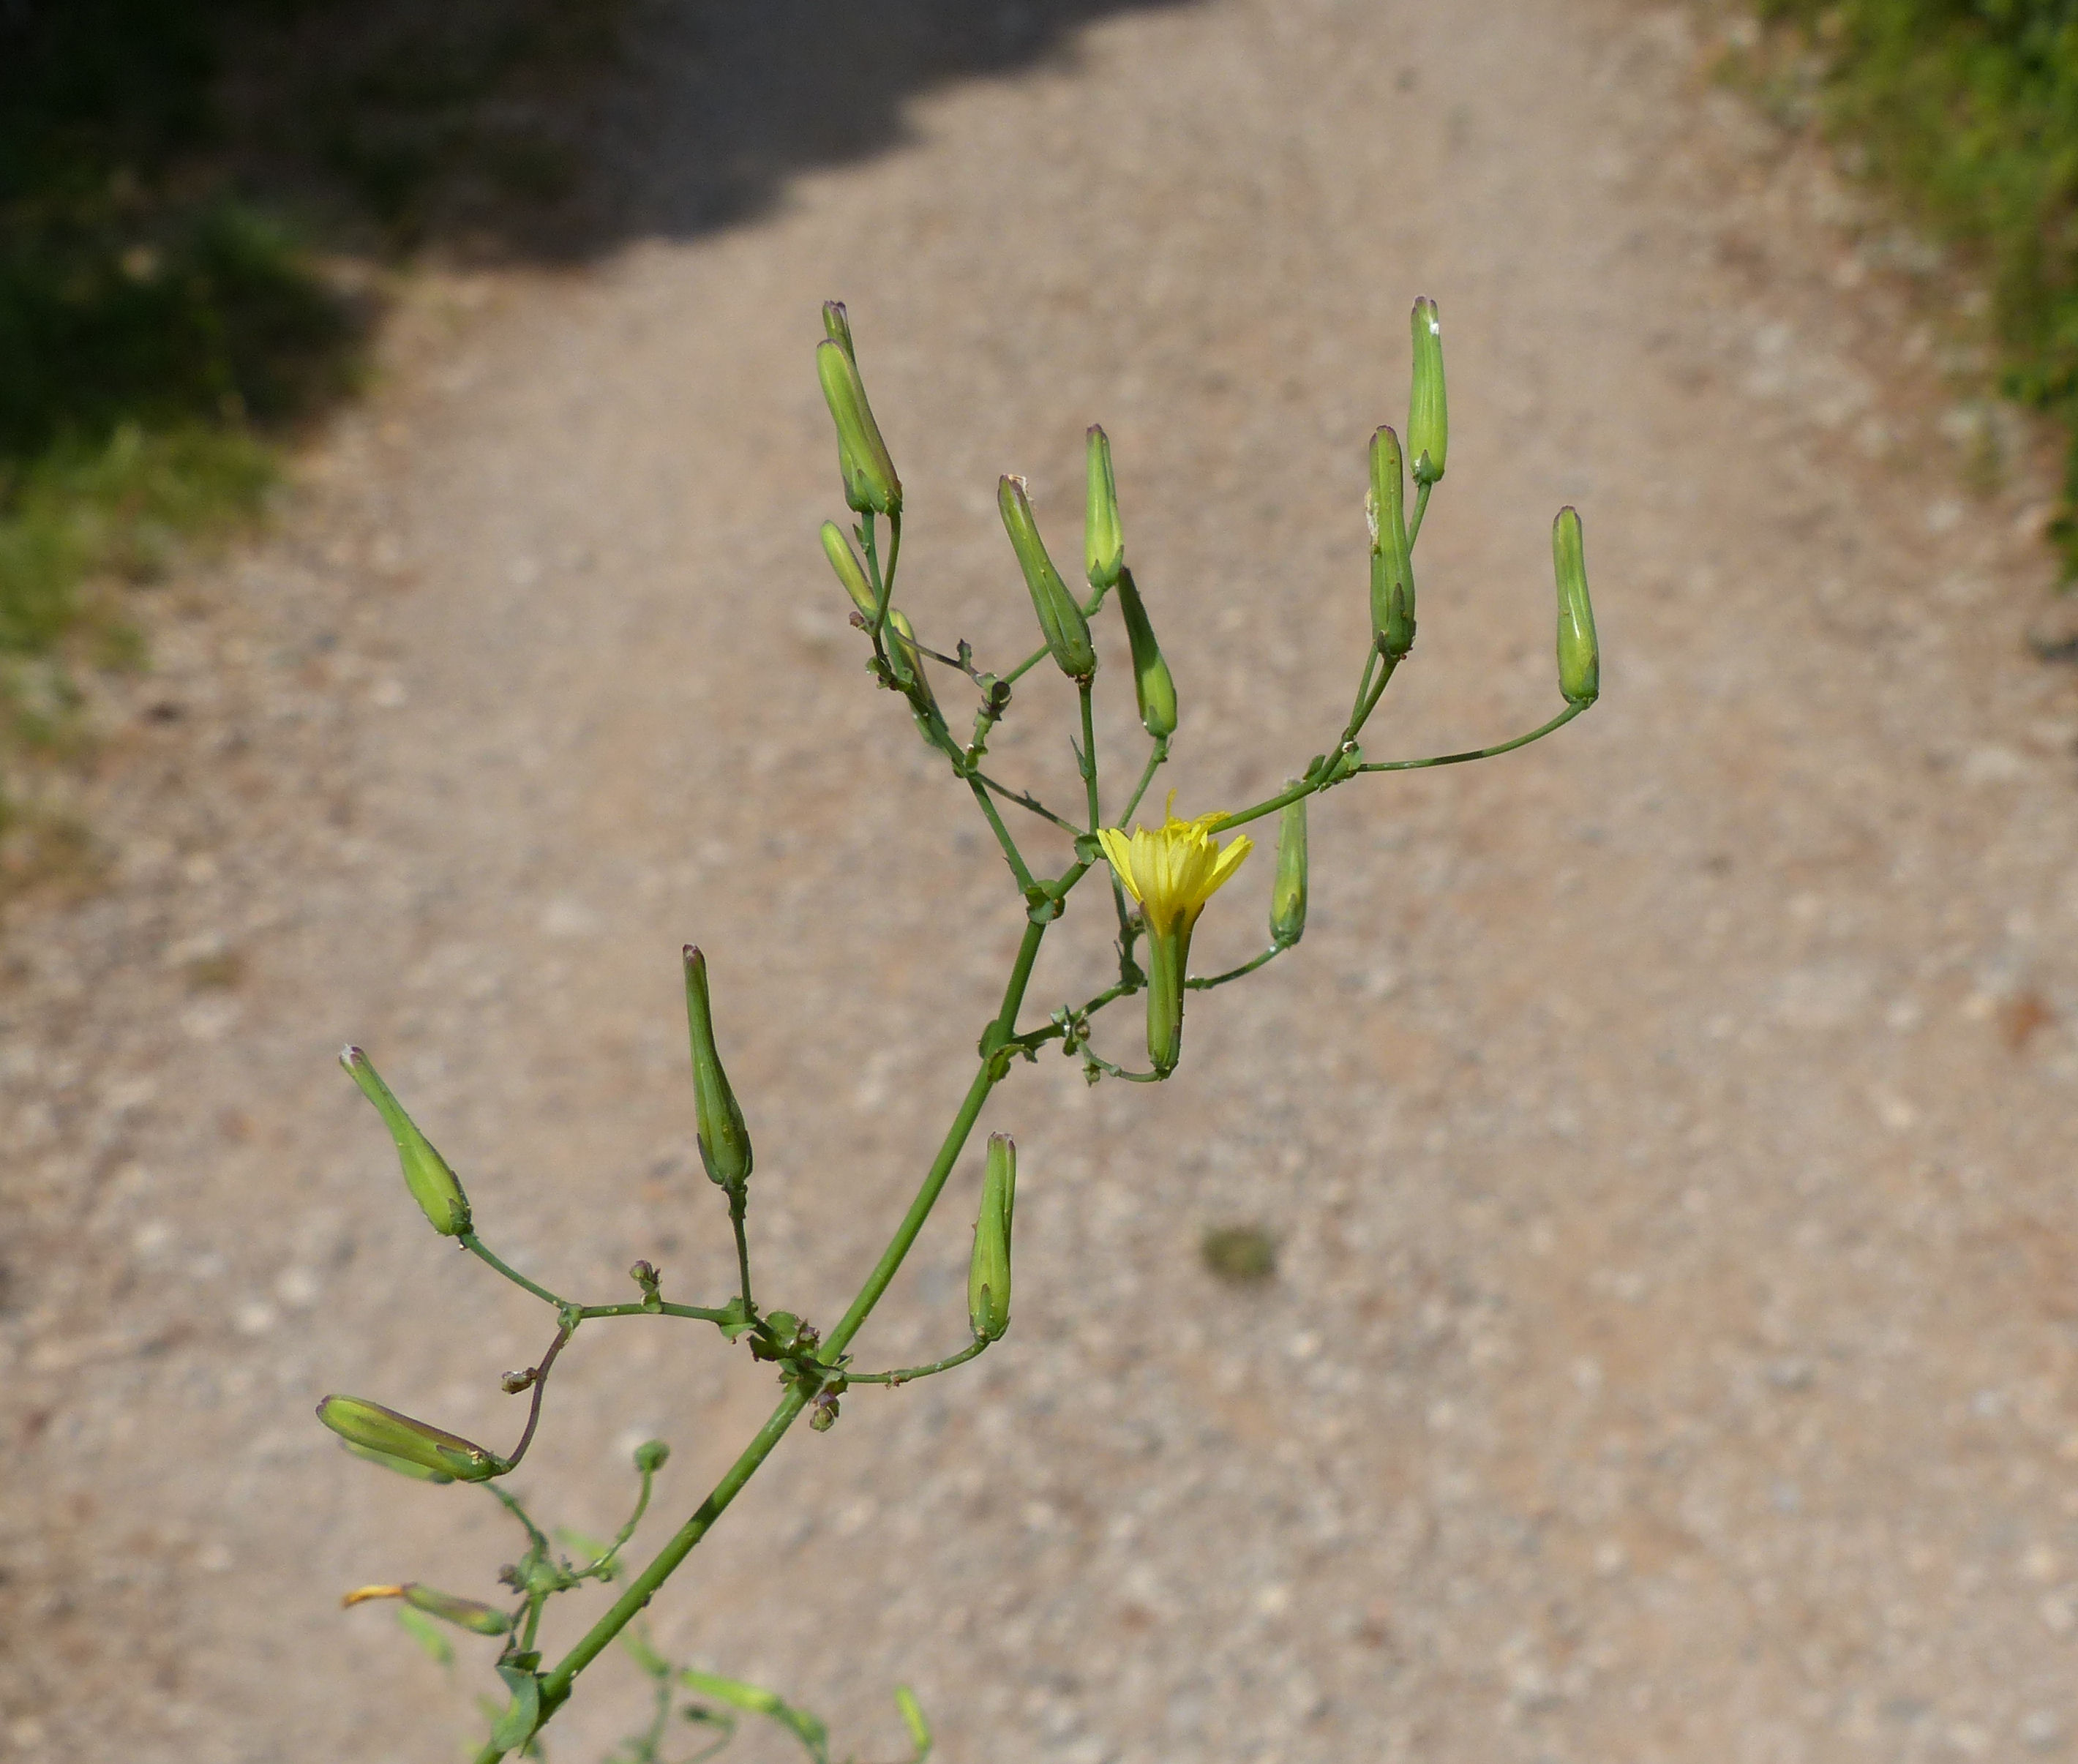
[{"x": 1666, "y": 1128}]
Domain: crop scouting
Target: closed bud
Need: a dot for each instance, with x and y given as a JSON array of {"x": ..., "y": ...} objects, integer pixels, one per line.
[
  {"x": 724, "y": 1141},
  {"x": 907, "y": 662},
  {"x": 1579, "y": 656},
  {"x": 850, "y": 571},
  {"x": 1152, "y": 684},
  {"x": 1104, "y": 540},
  {"x": 837, "y": 323},
  {"x": 1428, "y": 412},
  {"x": 376, "y": 1429},
  {"x": 1288, "y": 898},
  {"x": 988, "y": 1273},
  {"x": 650, "y": 1455},
  {"x": 402, "y": 1466},
  {"x": 470, "y": 1614},
  {"x": 426, "y": 1173},
  {"x": 1067, "y": 632},
  {"x": 862, "y": 456},
  {"x": 1392, "y": 566}
]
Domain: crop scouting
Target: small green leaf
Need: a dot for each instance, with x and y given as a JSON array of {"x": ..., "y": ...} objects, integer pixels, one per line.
[
  {"x": 753, "y": 1699},
  {"x": 515, "y": 1726},
  {"x": 427, "y": 1634},
  {"x": 912, "y": 1717},
  {"x": 734, "y": 1322}
]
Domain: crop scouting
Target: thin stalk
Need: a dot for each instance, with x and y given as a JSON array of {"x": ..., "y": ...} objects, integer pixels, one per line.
[
  {"x": 909, "y": 1372},
  {"x": 1420, "y": 508},
  {"x": 1368, "y": 703},
  {"x": 1269, "y": 955},
  {"x": 626, "y": 1532},
  {"x": 1089, "y": 755},
  {"x": 1558, "y": 722},
  {"x": 1026, "y": 799},
  {"x": 1155, "y": 760},
  {"x": 738, "y": 1204},
  {"x": 698, "y": 1313},
  {"x": 1012, "y": 856},
  {"x": 540, "y": 1382},
  {"x": 476, "y": 1247},
  {"x": 1120, "y": 1072}
]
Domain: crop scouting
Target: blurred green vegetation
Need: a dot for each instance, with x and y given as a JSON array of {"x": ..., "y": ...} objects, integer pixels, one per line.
[
  {"x": 180, "y": 183},
  {"x": 1969, "y": 108}
]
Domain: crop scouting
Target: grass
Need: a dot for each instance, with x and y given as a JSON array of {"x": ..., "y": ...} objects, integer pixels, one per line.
[
  {"x": 1969, "y": 109},
  {"x": 169, "y": 171}
]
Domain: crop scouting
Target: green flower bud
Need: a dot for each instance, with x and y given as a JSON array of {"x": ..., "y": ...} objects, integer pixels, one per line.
[
  {"x": 724, "y": 1141},
  {"x": 1392, "y": 566},
  {"x": 650, "y": 1456},
  {"x": 850, "y": 571},
  {"x": 417, "y": 1472},
  {"x": 426, "y": 1173},
  {"x": 470, "y": 1614},
  {"x": 1060, "y": 618},
  {"x": 1579, "y": 656},
  {"x": 1428, "y": 412},
  {"x": 907, "y": 662},
  {"x": 862, "y": 456},
  {"x": 1104, "y": 540},
  {"x": 378, "y": 1429},
  {"x": 1288, "y": 898},
  {"x": 988, "y": 1273},
  {"x": 1151, "y": 682},
  {"x": 837, "y": 323}
]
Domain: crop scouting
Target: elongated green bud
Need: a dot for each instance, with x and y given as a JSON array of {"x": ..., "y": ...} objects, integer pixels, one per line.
[
  {"x": 1060, "y": 617},
  {"x": 371, "y": 1425},
  {"x": 469, "y": 1614},
  {"x": 862, "y": 457},
  {"x": 724, "y": 1141},
  {"x": 850, "y": 570},
  {"x": 837, "y": 323},
  {"x": 426, "y": 1173},
  {"x": 1288, "y": 898},
  {"x": 1579, "y": 656},
  {"x": 1151, "y": 682},
  {"x": 988, "y": 1273},
  {"x": 1104, "y": 540},
  {"x": 907, "y": 662},
  {"x": 1392, "y": 566},
  {"x": 402, "y": 1466},
  {"x": 1428, "y": 412}
]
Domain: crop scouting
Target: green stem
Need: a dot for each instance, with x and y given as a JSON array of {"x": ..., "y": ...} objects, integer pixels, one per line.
[
  {"x": 476, "y": 1247},
  {"x": 1012, "y": 856},
  {"x": 698, "y": 1313},
  {"x": 1420, "y": 508},
  {"x": 1001, "y": 1030},
  {"x": 556, "y": 1686},
  {"x": 1155, "y": 760},
  {"x": 738, "y": 1204},
  {"x": 1558, "y": 722},
  {"x": 625, "y": 1532},
  {"x": 909, "y": 1372},
  {"x": 1026, "y": 799},
  {"x": 1270, "y": 954},
  {"x": 1368, "y": 703},
  {"x": 1088, "y": 759}
]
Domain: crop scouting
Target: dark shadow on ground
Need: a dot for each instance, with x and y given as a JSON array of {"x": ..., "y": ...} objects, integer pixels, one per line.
[{"x": 732, "y": 97}]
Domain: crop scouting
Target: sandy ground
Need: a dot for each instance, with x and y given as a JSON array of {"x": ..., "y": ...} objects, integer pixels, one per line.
[{"x": 1666, "y": 1128}]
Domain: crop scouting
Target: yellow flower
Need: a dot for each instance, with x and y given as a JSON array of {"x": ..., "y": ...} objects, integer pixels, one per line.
[{"x": 1173, "y": 870}]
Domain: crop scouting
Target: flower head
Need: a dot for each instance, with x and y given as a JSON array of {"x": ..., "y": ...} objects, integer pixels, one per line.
[{"x": 1173, "y": 870}]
